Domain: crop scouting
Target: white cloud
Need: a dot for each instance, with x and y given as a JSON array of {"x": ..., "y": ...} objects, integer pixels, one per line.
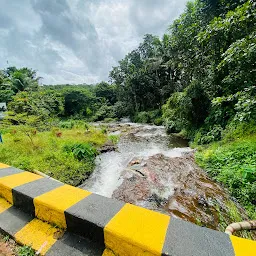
[{"x": 78, "y": 41}]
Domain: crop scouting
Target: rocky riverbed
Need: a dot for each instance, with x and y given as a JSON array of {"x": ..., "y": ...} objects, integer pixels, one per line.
[{"x": 156, "y": 171}]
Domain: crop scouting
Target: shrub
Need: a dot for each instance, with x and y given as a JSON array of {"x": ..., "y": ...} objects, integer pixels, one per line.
[
  {"x": 152, "y": 117},
  {"x": 103, "y": 112},
  {"x": 206, "y": 137},
  {"x": 26, "y": 251},
  {"x": 142, "y": 117},
  {"x": 234, "y": 165},
  {"x": 81, "y": 151},
  {"x": 114, "y": 138},
  {"x": 67, "y": 124},
  {"x": 109, "y": 120}
]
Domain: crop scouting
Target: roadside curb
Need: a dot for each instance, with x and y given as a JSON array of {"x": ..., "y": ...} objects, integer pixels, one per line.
[{"x": 121, "y": 228}]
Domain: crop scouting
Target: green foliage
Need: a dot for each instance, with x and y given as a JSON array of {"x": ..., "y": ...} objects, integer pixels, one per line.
[
  {"x": 238, "y": 130},
  {"x": 208, "y": 56},
  {"x": 103, "y": 112},
  {"x": 77, "y": 102},
  {"x": 67, "y": 124},
  {"x": 174, "y": 112},
  {"x": 34, "y": 108},
  {"x": 114, "y": 138},
  {"x": 208, "y": 136},
  {"x": 6, "y": 238},
  {"x": 81, "y": 151},
  {"x": 45, "y": 153},
  {"x": 106, "y": 92},
  {"x": 142, "y": 117},
  {"x": 234, "y": 165},
  {"x": 199, "y": 71},
  {"x": 34, "y": 105},
  {"x": 229, "y": 116},
  {"x": 104, "y": 130},
  {"x": 26, "y": 251},
  {"x": 151, "y": 117}
]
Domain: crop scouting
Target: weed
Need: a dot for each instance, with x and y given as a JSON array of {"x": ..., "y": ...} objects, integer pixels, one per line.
[
  {"x": 47, "y": 154},
  {"x": 6, "y": 238},
  {"x": 26, "y": 251},
  {"x": 233, "y": 164},
  {"x": 114, "y": 138}
]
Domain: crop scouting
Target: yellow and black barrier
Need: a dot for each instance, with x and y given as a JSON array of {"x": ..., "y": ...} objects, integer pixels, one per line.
[{"x": 37, "y": 211}]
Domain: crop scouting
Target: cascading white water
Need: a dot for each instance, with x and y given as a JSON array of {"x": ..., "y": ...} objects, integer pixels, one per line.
[{"x": 146, "y": 141}]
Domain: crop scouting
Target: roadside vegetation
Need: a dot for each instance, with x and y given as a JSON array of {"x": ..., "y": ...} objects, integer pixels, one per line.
[
  {"x": 8, "y": 247},
  {"x": 65, "y": 154},
  {"x": 198, "y": 80},
  {"x": 233, "y": 164}
]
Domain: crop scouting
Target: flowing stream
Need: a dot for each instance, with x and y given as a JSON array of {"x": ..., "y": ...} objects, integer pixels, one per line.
[
  {"x": 157, "y": 171},
  {"x": 137, "y": 141}
]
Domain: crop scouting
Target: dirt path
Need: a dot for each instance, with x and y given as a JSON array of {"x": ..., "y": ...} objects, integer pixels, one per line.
[{"x": 8, "y": 247}]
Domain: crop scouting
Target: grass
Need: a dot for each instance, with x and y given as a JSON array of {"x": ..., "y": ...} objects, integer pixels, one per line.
[
  {"x": 233, "y": 164},
  {"x": 30, "y": 150},
  {"x": 9, "y": 247},
  {"x": 26, "y": 251}
]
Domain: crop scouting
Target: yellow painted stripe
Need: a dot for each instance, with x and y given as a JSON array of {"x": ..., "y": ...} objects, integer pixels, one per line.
[
  {"x": 4, "y": 205},
  {"x": 9, "y": 182},
  {"x": 39, "y": 235},
  {"x": 136, "y": 231},
  {"x": 243, "y": 247},
  {"x": 3, "y": 166},
  {"x": 50, "y": 206},
  {"x": 108, "y": 252}
]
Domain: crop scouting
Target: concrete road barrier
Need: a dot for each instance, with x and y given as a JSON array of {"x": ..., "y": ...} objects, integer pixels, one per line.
[{"x": 52, "y": 207}]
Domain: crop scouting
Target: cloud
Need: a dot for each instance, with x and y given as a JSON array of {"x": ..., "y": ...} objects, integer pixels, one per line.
[{"x": 78, "y": 41}]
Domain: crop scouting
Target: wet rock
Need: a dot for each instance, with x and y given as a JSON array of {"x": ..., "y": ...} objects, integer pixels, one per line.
[
  {"x": 174, "y": 186},
  {"x": 202, "y": 201},
  {"x": 108, "y": 147},
  {"x": 178, "y": 187}
]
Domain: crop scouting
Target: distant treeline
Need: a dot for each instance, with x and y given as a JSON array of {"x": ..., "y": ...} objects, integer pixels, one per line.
[
  {"x": 198, "y": 79},
  {"x": 32, "y": 104}
]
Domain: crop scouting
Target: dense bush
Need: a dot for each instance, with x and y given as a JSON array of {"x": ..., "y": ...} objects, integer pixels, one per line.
[
  {"x": 151, "y": 117},
  {"x": 67, "y": 124},
  {"x": 81, "y": 151},
  {"x": 227, "y": 114},
  {"x": 234, "y": 165},
  {"x": 103, "y": 112}
]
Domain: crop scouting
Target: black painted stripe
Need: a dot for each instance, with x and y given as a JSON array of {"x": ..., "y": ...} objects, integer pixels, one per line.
[
  {"x": 184, "y": 238},
  {"x": 9, "y": 171},
  {"x": 89, "y": 216},
  {"x": 13, "y": 220},
  {"x": 24, "y": 195},
  {"x": 73, "y": 245}
]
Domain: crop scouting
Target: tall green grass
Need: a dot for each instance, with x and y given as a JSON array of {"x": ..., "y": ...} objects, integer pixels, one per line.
[
  {"x": 47, "y": 152},
  {"x": 233, "y": 163}
]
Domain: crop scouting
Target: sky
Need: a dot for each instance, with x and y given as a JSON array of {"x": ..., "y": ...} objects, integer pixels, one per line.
[{"x": 78, "y": 41}]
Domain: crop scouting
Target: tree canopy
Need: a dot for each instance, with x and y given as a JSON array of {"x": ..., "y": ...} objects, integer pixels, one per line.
[{"x": 199, "y": 77}]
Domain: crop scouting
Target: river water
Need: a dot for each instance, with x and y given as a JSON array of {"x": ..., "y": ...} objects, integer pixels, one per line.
[
  {"x": 157, "y": 171},
  {"x": 136, "y": 140}
]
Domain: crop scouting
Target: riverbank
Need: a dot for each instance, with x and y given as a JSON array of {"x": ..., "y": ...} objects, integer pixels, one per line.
[
  {"x": 66, "y": 154},
  {"x": 157, "y": 171},
  {"x": 147, "y": 167},
  {"x": 233, "y": 164}
]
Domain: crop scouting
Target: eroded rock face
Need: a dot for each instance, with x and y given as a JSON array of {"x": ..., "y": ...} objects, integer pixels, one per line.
[
  {"x": 108, "y": 147},
  {"x": 178, "y": 187}
]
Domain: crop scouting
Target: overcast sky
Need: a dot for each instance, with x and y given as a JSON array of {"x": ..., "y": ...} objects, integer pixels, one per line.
[{"x": 78, "y": 41}]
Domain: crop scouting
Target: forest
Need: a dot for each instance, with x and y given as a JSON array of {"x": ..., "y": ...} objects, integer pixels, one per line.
[{"x": 197, "y": 80}]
